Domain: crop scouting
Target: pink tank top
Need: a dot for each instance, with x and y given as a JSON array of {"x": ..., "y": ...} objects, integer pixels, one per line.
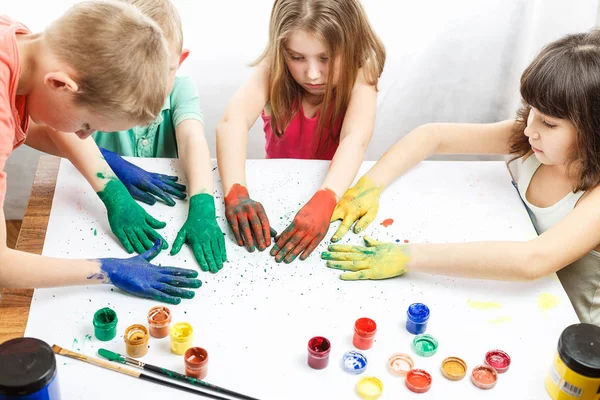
[{"x": 300, "y": 138}]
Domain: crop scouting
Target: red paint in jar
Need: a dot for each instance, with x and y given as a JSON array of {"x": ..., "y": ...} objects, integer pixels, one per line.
[
  {"x": 318, "y": 352},
  {"x": 364, "y": 333},
  {"x": 196, "y": 362}
]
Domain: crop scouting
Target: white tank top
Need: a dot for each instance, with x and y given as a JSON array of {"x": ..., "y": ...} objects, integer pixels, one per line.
[{"x": 581, "y": 279}]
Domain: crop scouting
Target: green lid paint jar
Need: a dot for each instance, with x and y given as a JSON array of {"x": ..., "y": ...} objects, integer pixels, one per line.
[
  {"x": 425, "y": 345},
  {"x": 105, "y": 324}
]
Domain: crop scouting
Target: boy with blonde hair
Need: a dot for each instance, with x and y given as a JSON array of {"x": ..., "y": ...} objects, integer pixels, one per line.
[
  {"x": 177, "y": 131},
  {"x": 73, "y": 78}
]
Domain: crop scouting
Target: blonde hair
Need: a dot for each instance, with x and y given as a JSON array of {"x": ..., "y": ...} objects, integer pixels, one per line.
[
  {"x": 344, "y": 30},
  {"x": 119, "y": 57},
  {"x": 164, "y": 13}
]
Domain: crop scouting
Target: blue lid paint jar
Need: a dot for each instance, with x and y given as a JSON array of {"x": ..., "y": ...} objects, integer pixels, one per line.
[
  {"x": 354, "y": 362},
  {"x": 28, "y": 370},
  {"x": 417, "y": 316}
]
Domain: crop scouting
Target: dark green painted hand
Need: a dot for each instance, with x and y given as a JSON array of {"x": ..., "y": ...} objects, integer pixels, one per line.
[
  {"x": 130, "y": 223},
  {"x": 203, "y": 234}
]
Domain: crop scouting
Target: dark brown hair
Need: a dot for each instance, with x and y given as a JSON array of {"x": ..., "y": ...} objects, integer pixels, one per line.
[{"x": 563, "y": 81}]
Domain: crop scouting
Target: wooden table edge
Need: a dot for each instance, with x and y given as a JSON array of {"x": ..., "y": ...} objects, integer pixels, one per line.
[{"x": 15, "y": 303}]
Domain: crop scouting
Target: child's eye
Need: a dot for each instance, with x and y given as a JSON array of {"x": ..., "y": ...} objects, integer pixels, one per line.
[
  {"x": 295, "y": 58},
  {"x": 324, "y": 59},
  {"x": 549, "y": 125}
]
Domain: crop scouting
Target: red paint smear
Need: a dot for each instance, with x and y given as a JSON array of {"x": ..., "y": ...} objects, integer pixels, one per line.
[
  {"x": 387, "y": 222},
  {"x": 405, "y": 240}
]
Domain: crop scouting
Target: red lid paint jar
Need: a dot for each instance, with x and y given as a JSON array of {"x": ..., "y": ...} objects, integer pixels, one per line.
[
  {"x": 159, "y": 318},
  {"x": 364, "y": 333},
  {"x": 196, "y": 362},
  {"x": 498, "y": 359},
  {"x": 484, "y": 377},
  {"x": 318, "y": 352},
  {"x": 418, "y": 380},
  {"x": 136, "y": 341}
]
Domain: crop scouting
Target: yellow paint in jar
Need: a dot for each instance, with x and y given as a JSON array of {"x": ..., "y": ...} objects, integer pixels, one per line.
[
  {"x": 182, "y": 337},
  {"x": 575, "y": 372}
]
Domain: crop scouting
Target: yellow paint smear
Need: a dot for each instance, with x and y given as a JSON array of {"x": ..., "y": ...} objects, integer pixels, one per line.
[
  {"x": 484, "y": 305},
  {"x": 500, "y": 320},
  {"x": 546, "y": 301}
]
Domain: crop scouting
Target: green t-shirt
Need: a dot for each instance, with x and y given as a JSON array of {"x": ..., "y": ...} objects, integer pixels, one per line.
[{"x": 157, "y": 139}]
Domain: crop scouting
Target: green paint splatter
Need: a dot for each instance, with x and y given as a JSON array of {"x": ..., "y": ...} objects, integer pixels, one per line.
[
  {"x": 75, "y": 343},
  {"x": 95, "y": 233},
  {"x": 100, "y": 175}
]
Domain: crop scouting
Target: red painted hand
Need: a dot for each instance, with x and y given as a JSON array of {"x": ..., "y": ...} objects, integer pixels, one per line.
[
  {"x": 308, "y": 228},
  {"x": 247, "y": 217}
]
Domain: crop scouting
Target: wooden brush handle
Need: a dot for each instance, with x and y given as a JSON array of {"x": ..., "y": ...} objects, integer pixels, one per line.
[{"x": 96, "y": 361}]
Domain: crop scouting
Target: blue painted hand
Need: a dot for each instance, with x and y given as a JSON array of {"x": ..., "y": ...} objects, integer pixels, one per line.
[
  {"x": 137, "y": 276},
  {"x": 142, "y": 184}
]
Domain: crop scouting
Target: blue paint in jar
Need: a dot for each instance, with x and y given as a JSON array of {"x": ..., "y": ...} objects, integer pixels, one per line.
[
  {"x": 417, "y": 316},
  {"x": 354, "y": 362},
  {"x": 28, "y": 370}
]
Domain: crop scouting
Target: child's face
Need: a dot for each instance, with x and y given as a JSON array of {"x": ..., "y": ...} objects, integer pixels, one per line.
[
  {"x": 308, "y": 62},
  {"x": 56, "y": 108},
  {"x": 550, "y": 138}
]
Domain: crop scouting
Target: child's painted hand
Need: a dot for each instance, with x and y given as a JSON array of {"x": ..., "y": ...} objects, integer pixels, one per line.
[
  {"x": 130, "y": 223},
  {"x": 376, "y": 261},
  {"x": 203, "y": 234},
  {"x": 142, "y": 184},
  {"x": 247, "y": 218},
  {"x": 137, "y": 276},
  {"x": 359, "y": 203},
  {"x": 307, "y": 229}
]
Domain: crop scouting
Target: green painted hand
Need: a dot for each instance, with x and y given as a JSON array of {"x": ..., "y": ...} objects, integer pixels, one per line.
[
  {"x": 130, "y": 223},
  {"x": 203, "y": 234},
  {"x": 375, "y": 261}
]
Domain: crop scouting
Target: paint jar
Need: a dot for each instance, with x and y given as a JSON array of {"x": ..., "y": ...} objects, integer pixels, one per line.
[
  {"x": 318, "y": 352},
  {"x": 418, "y": 381},
  {"x": 28, "y": 370},
  {"x": 454, "y": 368},
  {"x": 364, "y": 333},
  {"x": 369, "y": 388},
  {"x": 498, "y": 360},
  {"x": 159, "y": 318},
  {"x": 484, "y": 377},
  {"x": 182, "y": 337},
  {"x": 105, "y": 324},
  {"x": 575, "y": 372},
  {"x": 425, "y": 345},
  {"x": 136, "y": 340},
  {"x": 354, "y": 362},
  {"x": 417, "y": 316},
  {"x": 400, "y": 364},
  {"x": 196, "y": 362}
]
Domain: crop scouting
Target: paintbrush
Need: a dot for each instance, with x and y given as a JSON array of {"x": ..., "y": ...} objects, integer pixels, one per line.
[
  {"x": 118, "y": 368},
  {"x": 109, "y": 355}
]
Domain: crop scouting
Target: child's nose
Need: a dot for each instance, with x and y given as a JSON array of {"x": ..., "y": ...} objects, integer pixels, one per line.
[{"x": 314, "y": 72}]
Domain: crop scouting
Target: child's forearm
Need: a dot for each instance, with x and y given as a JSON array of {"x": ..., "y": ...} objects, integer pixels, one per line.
[
  {"x": 24, "y": 270},
  {"x": 479, "y": 260},
  {"x": 345, "y": 164},
  {"x": 86, "y": 157},
  {"x": 419, "y": 144},
  {"x": 232, "y": 139},
  {"x": 194, "y": 157}
]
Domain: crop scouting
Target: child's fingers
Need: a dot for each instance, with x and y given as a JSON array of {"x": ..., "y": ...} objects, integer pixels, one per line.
[
  {"x": 285, "y": 236},
  {"x": 257, "y": 229},
  {"x": 235, "y": 227},
  {"x": 175, "y": 291},
  {"x": 344, "y": 227},
  {"x": 154, "y": 223},
  {"x": 142, "y": 196},
  {"x": 143, "y": 238},
  {"x": 160, "y": 296},
  {"x": 348, "y": 265},
  {"x": 133, "y": 239},
  {"x": 246, "y": 231},
  {"x": 347, "y": 248},
  {"x": 372, "y": 242},
  {"x": 365, "y": 220},
  {"x": 168, "y": 188},
  {"x": 304, "y": 243},
  {"x": 199, "y": 255},
  {"x": 311, "y": 247},
  {"x": 355, "y": 276},
  {"x": 153, "y": 252},
  {"x": 163, "y": 177},
  {"x": 210, "y": 259},
  {"x": 120, "y": 234},
  {"x": 184, "y": 272},
  {"x": 155, "y": 190},
  {"x": 326, "y": 255},
  {"x": 338, "y": 213},
  {"x": 178, "y": 243},
  {"x": 177, "y": 186}
]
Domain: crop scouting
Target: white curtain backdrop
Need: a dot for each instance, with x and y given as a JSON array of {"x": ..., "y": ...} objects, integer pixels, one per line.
[{"x": 453, "y": 61}]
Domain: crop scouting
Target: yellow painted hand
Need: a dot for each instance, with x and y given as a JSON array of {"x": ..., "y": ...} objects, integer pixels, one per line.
[
  {"x": 359, "y": 203},
  {"x": 377, "y": 260}
]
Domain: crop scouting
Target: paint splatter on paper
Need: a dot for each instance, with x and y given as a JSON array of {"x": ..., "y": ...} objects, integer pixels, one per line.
[
  {"x": 484, "y": 305},
  {"x": 387, "y": 222},
  {"x": 500, "y": 320},
  {"x": 546, "y": 301}
]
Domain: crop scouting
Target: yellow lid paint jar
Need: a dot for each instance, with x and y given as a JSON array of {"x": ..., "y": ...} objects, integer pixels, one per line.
[
  {"x": 182, "y": 337},
  {"x": 575, "y": 372}
]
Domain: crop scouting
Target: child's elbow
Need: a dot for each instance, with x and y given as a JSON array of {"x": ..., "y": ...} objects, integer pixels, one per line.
[{"x": 536, "y": 264}]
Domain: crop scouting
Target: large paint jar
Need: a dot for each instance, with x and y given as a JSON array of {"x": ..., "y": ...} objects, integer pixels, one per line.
[
  {"x": 28, "y": 370},
  {"x": 575, "y": 372}
]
